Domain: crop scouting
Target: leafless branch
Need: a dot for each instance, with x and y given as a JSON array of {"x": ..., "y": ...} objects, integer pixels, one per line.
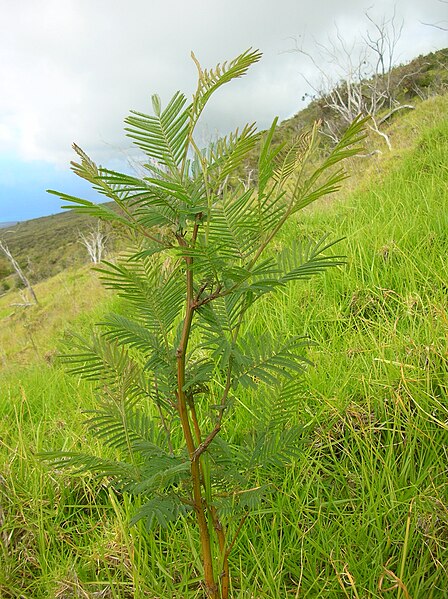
[
  {"x": 436, "y": 25},
  {"x": 4, "y": 248},
  {"x": 360, "y": 82}
]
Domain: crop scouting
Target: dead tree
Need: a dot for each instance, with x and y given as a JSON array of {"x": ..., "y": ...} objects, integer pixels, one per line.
[
  {"x": 4, "y": 248},
  {"x": 361, "y": 81},
  {"x": 95, "y": 243}
]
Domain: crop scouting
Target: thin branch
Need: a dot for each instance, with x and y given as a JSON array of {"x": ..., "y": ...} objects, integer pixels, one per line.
[
  {"x": 221, "y": 534},
  {"x": 435, "y": 25},
  {"x": 393, "y": 111},
  {"x": 203, "y": 446},
  {"x": 235, "y": 536},
  {"x": 18, "y": 270}
]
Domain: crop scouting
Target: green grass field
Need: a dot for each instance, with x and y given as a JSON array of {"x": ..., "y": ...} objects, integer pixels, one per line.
[{"x": 363, "y": 511}]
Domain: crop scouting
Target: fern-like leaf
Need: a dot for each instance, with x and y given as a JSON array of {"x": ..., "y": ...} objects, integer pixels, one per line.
[
  {"x": 259, "y": 360},
  {"x": 164, "y": 137},
  {"x": 228, "y": 153},
  {"x": 107, "y": 364},
  {"x": 160, "y": 511},
  {"x": 300, "y": 261},
  {"x": 210, "y": 80}
]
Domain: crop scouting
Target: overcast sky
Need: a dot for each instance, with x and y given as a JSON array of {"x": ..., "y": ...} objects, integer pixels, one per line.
[{"x": 71, "y": 69}]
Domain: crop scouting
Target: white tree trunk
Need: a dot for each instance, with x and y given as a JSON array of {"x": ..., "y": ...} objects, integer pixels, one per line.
[
  {"x": 95, "y": 243},
  {"x": 18, "y": 270}
]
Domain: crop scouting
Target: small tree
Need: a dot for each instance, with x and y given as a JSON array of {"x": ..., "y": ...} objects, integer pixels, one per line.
[{"x": 169, "y": 371}]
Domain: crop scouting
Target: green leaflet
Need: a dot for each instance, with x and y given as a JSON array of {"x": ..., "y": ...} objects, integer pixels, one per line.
[
  {"x": 158, "y": 511},
  {"x": 164, "y": 137}
]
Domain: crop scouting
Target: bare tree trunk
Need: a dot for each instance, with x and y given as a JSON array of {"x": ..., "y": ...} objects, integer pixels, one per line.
[
  {"x": 18, "y": 270},
  {"x": 95, "y": 243}
]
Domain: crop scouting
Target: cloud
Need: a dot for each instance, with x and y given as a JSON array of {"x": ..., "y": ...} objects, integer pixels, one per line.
[{"x": 71, "y": 70}]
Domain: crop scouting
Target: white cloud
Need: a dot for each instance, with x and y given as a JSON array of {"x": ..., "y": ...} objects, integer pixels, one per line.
[{"x": 71, "y": 70}]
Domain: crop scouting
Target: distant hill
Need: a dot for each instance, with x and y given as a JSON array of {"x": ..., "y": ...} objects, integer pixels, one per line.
[
  {"x": 5, "y": 225},
  {"x": 44, "y": 246}
]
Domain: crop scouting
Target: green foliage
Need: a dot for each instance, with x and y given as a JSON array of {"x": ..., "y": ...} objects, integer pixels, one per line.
[{"x": 169, "y": 371}]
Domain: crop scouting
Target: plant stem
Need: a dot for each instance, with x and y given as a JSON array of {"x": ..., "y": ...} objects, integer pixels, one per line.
[
  {"x": 194, "y": 418},
  {"x": 165, "y": 425},
  {"x": 198, "y": 501}
]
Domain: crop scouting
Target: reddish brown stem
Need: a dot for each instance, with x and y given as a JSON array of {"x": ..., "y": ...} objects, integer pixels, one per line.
[
  {"x": 235, "y": 536},
  {"x": 198, "y": 501},
  {"x": 203, "y": 446}
]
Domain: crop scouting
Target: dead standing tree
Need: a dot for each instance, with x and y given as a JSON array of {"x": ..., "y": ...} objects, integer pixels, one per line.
[
  {"x": 361, "y": 82},
  {"x": 4, "y": 248},
  {"x": 95, "y": 243}
]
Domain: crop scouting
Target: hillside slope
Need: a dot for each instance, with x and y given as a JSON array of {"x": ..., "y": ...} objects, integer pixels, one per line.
[{"x": 44, "y": 246}]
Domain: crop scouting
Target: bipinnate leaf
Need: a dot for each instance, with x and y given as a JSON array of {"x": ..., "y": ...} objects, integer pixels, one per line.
[
  {"x": 159, "y": 511},
  {"x": 163, "y": 137},
  {"x": 210, "y": 80},
  {"x": 260, "y": 360},
  {"x": 303, "y": 259}
]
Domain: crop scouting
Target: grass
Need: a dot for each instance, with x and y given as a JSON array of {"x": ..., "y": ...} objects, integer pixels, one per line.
[
  {"x": 31, "y": 334},
  {"x": 362, "y": 513}
]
